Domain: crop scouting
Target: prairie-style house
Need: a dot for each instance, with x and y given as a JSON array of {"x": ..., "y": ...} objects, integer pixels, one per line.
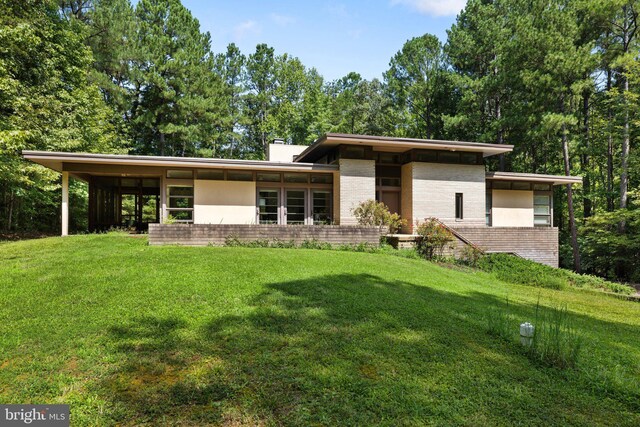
[{"x": 309, "y": 192}]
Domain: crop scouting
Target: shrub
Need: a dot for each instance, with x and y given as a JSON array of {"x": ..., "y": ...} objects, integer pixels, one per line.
[
  {"x": 376, "y": 214},
  {"x": 521, "y": 271},
  {"x": 359, "y": 247},
  {"x": 170, "y": 219},
  {"x": 517, "y": 270},
  {"x": 470, "y": 255},
  {"x": 315, "y": 244},
  {"x": 433, "y": 236}
]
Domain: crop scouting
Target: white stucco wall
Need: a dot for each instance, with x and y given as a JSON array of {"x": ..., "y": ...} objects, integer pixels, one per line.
[
  {"x": 512, "y": 208},
  {"x": 284, "y": 152},
  {"x": 224, "y": 202},
  {"x": 434, "y": 188}
]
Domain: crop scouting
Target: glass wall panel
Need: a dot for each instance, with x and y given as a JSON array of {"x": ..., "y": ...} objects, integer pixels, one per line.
[
  {"x": 302, "y": 178},
  {"x": 321, "y": 207},
  {"x": 321, "y": 178},
  {"x": 180, "y": 173},
  {"x": 520, "y": 186},
  {"x": 211, "y": 174},
  {"x": 295, "y": 205},
  {"x": 268, "y": 204},
  {"x": 268, "y": 177},
  {"x": 240, "y": 176}
]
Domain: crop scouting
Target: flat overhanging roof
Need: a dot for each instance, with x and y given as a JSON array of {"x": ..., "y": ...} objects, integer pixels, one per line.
[
  {"x": 389, "y": 144},
  {"x": 533, "y": 177},
  {"x": 60, "y": 161}
]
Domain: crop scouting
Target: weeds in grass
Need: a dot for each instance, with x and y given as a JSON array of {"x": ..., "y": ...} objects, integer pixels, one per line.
[
  {"x": 500, "y": 322},
  {"x": 555, "y": 341}
]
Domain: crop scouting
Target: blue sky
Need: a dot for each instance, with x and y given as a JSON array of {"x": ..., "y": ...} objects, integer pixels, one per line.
[{"x": 332, "y": 36}]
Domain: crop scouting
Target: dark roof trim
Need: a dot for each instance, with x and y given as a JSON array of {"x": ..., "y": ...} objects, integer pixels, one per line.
[
  {"x": 52, "y": 159},
  {"x": 533, "y": 177},
  {"x": 408, "y": 143}
]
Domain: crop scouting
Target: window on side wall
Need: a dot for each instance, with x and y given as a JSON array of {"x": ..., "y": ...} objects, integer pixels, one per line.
[
  {"x": 180, "y": 203},
  {"x": 459, "y": 206},
  {"x": 542, "y": 209}
]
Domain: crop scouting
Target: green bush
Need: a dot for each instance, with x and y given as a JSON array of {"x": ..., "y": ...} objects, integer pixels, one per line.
[
  {"x": 607, "y": 251},
  {"x": 314, "y": 244},
  {"x": 513, "y": 269},
  {"x": 432, "y": 238},
  {"x": 470, "y": 255},
  {"x": 376, "y": 214},
  {"x": 517, "y": 270}
]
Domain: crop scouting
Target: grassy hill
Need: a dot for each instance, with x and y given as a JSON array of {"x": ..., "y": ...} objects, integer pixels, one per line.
[{"x": 131, "y": 334}]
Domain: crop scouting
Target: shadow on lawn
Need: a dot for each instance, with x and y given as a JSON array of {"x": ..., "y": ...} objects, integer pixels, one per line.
[{"x": 341, "y": 349}]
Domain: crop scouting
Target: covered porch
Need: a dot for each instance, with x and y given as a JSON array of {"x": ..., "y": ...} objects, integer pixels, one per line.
[{"x": 132, "y": 192}]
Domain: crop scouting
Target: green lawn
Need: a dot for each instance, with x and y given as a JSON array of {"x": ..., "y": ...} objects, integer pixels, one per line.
[{"x": 131, "y": 334}]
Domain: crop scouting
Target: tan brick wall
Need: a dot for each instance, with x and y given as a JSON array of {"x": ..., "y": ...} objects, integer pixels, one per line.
[
  {"x": 336, "y": 198},
  {"x": 406, "y": 196},
  {"x": 538, "y": 244},
  {"x": 357, "y": 183},
  {"x": 216, "y": 234},
  {"x": 434, "y": 189}
]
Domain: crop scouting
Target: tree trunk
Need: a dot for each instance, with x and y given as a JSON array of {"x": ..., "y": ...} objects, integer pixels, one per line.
[
  {"x": 10, "y": 214},
  {"x": 585, "y": 158},
  {"x": 572, "y": 219},
  {"x": 161, "y": 143},
  {"x": 500, "y": 135},
  {"x": 624, "y": 160},
  {"x": 610, "y": 202}
]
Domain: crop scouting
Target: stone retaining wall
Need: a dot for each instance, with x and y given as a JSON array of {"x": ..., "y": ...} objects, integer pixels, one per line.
[{"x": 215, "y": 234}]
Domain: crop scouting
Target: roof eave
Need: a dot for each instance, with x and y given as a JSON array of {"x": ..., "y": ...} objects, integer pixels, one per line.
[
  {"x": 54, "y": 160},
  {"x": 408, "y": 143},
  {"x": 530, "y": 177}
]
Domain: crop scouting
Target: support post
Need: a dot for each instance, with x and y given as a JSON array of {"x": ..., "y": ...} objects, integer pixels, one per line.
[{"x": 65, "y": 203}]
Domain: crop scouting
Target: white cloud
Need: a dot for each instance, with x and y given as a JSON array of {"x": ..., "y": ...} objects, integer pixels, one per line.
[
  {"x": 245, "y": 28},
  {"x": 434, "y": 7},
  {"x": 282, "y": 20},
  {"x": 338, "y": 10}
]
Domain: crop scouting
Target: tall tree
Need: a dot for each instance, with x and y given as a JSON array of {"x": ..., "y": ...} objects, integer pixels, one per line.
[
  {"x": 231, "y": 67},
  {"x": 178, "y": 104},
  {"x": 260, "y": 99},
  {"x": 418, "y": 80},
  {"x": 46, "y": 103},
  {"x": 477, "y": 46}
]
